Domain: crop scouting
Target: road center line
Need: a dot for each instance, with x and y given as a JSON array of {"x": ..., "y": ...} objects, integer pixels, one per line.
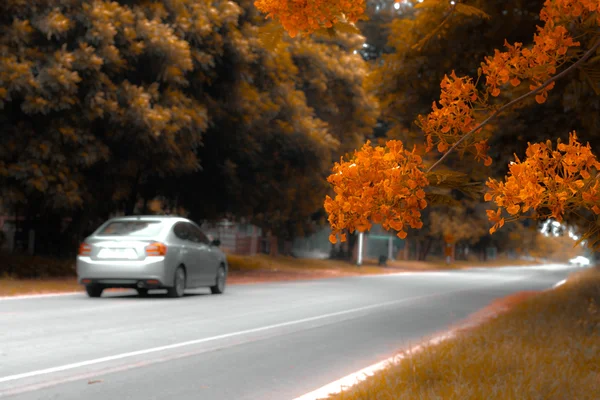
[{"x": 214, "y": 338}]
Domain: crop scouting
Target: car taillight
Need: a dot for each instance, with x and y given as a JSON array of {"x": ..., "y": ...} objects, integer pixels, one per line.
[
  {"x": 85, "y": 249},
  {"x": 156, "y": 249}
]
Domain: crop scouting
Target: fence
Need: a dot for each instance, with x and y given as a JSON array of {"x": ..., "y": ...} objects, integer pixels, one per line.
[{"x": 236, "y": 239}]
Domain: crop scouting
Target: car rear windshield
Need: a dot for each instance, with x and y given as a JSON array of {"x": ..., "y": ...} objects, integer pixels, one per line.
[{"x": 131, "y": 228}]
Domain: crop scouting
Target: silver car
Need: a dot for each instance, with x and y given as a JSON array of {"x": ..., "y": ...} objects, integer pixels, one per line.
[{"x": 150, "y": 252}]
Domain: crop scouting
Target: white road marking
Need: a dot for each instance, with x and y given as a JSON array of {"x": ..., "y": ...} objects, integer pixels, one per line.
[
  {"x": 213, "y": 338},
  {"x": 357, "y": 377},
  {"x": 560, "y": 283}
]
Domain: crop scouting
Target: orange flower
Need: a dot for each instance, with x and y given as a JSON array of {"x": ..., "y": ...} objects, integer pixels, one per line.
[
  {"x": 309, "y": 16},
  {"x": 557, "y": 181},
  {"x": 380, "y": 185}
]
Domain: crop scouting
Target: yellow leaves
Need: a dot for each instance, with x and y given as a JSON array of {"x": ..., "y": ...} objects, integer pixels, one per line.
[
  {"x": 55, "y": 24},
  {"x": 270, "y": 35},
  {"x": 380, "y": 185}
]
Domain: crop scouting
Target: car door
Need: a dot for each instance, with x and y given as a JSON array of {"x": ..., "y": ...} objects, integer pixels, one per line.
[
  {"x": 188, "y": 251},
  {"x": 209, "y": 257}
]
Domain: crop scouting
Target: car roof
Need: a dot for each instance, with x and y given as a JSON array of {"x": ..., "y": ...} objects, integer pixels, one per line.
[{"x": 170, "y": 218}]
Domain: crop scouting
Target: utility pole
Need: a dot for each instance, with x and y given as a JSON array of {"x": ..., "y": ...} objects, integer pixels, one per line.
[{"x": 360, "y": 249}]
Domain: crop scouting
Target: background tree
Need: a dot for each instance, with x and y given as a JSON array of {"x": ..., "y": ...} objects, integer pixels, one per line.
[{"x": 106, "y": 105}]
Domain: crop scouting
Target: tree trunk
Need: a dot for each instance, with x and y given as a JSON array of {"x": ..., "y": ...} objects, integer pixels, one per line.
[
  {"x": 273, "y": 246},
  {"x": 417, "y": 249},
  {"x": 145, "y": 206},
  {"x": 133, "y": 196},
  {"x": 352, "y": 240},
  {"x": 426, "y": 249}
]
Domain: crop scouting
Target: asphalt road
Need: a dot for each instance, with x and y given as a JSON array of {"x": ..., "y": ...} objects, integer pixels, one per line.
[{"x": 262, "y": 341}]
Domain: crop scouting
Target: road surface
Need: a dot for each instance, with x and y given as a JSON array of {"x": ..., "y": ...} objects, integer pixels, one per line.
[{"x": 262, "y": 341}]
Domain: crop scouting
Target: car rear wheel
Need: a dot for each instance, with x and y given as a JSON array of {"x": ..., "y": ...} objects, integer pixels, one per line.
[
  {"x": 94, "y": 290},
  {"x": 219, "y": 286},
  {"x": 178, "y": 288}
]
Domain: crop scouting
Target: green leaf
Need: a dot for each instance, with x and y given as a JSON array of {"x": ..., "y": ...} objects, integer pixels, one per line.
[
  {"x": 439, "y": 199},
  {"x": 591, "y": 72},
  {"x": 346, "y": 27}
]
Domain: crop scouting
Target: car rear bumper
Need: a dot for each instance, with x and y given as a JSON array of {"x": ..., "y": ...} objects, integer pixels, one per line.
[{"x": 146, "y": 273}]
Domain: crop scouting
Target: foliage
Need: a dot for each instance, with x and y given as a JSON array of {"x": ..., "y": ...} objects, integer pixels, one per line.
[
  {"x": 556, "y": 248},
  {"x": 548, "y": 182},
  {"x": 460, "y": 224},
  {"x": 456, "y": 122},
  {"x": 372, "y": 187},
  {"x": 106, "y": 103}
]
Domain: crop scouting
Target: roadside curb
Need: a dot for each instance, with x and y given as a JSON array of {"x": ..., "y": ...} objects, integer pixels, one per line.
[
  {"x": 355, "y": 378},
  {"x": 39, "y": 296},
  {"x": 241, "y": 283}
]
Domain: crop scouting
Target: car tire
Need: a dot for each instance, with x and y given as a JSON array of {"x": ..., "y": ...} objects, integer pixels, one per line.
[
  {"x": 220, "y": 281},
  {"x": 94, "y": 290},
  {"x": 178, "y": 288},
  {"x": 142, "y": 292}
]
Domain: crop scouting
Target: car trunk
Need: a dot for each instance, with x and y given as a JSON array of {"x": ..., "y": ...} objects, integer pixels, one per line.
[{"x": 118, "y": 248}]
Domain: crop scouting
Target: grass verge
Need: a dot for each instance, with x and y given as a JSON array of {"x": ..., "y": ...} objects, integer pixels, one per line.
[
  {"x": 546, "y": 346},
  {"x": 22, "y": 274}
]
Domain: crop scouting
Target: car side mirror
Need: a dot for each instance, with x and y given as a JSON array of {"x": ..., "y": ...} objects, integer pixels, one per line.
[{"x": 216, "y": 243}]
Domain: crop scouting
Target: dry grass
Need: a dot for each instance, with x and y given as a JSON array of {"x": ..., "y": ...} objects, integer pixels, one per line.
[
  {"x": 14, "y": 287},
  {"x": 440, "y": 264},
  {"x": 24, "y": 266},
  {"x": 46, "y": 275},
  {"x": 546, "y": 347},
  {"x": 302, "y": 265}
]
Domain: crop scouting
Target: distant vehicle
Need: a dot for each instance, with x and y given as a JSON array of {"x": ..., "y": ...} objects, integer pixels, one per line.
[
  {"x": 150, "y": 252},
  {"x": 580, "y": 261}
]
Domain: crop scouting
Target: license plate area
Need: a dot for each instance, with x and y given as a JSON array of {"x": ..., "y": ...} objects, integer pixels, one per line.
[{"x": 118, "y": 254}]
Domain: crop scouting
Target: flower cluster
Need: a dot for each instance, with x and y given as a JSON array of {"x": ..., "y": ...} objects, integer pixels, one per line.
[
  {"x": 548, "y": 182},
  {"x": 379, "y": 185},
  {"x": 311, "y": 15},
  {"x": 561, "y": 11},
  {"x": 536, "y": 64},
  {"x": 454, "y": 117}
]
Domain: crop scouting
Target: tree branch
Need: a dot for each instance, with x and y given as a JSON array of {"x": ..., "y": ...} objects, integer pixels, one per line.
[{"x": 587, "y": 55}]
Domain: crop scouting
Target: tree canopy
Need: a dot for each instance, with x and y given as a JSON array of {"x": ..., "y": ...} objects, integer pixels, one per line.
[{"x": 104, "y": 103}]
